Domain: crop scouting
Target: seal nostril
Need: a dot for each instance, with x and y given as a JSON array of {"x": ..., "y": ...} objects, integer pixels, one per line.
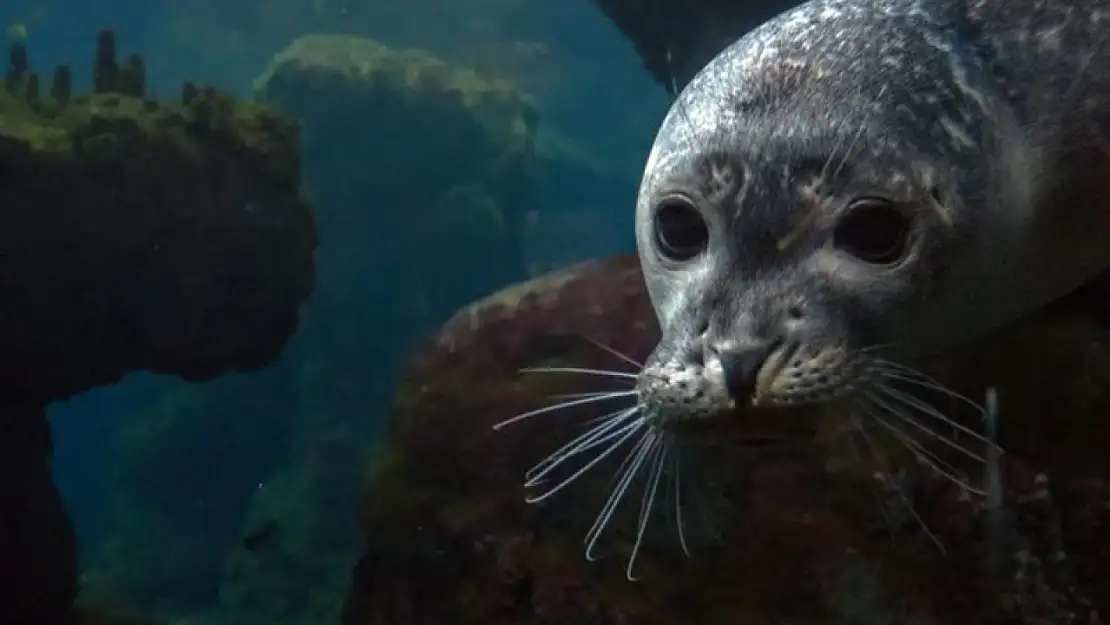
[
  {"x": 794, "y": 313},
  {"x": 741, "y": 367}
]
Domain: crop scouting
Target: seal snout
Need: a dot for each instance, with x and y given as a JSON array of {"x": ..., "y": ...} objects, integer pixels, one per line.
[{"x": 741, "y": 365}]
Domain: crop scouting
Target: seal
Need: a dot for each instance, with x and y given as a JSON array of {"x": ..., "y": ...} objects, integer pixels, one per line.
[
  {"x": 850, "y": 187},
  {"x": 858, "y": 183}
]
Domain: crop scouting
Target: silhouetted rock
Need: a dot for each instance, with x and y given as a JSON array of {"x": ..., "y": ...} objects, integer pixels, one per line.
[
  {"x": 676, "y": 38},
  {"x": 134, "y": 235},
  {"x": 146, "y": 236}
]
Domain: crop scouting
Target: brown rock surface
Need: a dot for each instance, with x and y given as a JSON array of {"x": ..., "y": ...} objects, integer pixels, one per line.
[{"x": 802, "y": 535}]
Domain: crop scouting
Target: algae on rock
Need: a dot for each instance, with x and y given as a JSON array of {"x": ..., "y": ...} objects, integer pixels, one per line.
[
  {"x": 174, "y": 232},
  {"x": 400, "y": 133},
  {"x": 137, "y": 235},
  {"x": 420, "y": 173},
  {"x": 299, "y": 574}
]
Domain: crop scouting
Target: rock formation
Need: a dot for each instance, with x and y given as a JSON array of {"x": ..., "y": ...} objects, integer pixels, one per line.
[
  {"x": 818, "y": 528},
  {"x": 134, "y": 235},
  {"x": 675, "y": 38},
  {"x": 420, "y": 174},
  {"x": 423, "y": 162}
]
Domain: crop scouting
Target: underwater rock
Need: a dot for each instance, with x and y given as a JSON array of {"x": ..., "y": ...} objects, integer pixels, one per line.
[
  {"x": 296, "y": 573},
  {"x": 417, "y": 171},
  {"x": 676, "y": 38},
  {"x": 38, "y": 548},
  {"x": 136, "y": 235},
  {"x": 437, "y": 157},
  {"x": 806, "y": 532},
  {"x": 168, "y": 528},
  {"x": 141, "y": 235}
]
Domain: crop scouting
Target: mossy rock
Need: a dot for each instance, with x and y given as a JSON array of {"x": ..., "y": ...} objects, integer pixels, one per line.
[
  {"x": 349, "y": 66},
  {"x": 403, "y": 122},
  {"x": 142, "y": 234},
  {"x": 438, "y": 159},
  {"x": 296, "y": 575}
]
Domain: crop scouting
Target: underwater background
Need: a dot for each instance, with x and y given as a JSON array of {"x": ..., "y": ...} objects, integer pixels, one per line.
[
  {"x": 164, "y": 477},
  {"x": 279, "y": 264}
]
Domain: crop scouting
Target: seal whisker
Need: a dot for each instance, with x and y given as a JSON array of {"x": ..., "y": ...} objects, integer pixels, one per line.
[
  {"x": 677, "y": 98},
  {"x": 598, "y": 435},
  {"x": 857, "y": 427},
  {"x": 824, "y": 176},
  {"x": 659, "y": 456},
  {"x": 598, "y": 372},
  {"x": 552, "y": 408},
  {"x": 895, "y": 371},
  {"x": 913, "y": 376},
  {"x": 858, "y": 135},
  {"x": 605, "y": 394},
  {"x": 926, "y": 456},
  {"x": 627, "y": 472},
  {"x": 602, "y": 396},
  {"x": 603, "y": 417},
  {"x": 929, "y": 410},
  {"x": 626, "y": 434},
  {"x": 874, "y": 348},
  {"x": 656, "y": 455},
  {"x": 676, "y": 468},
  {"x": 625, "y": 357},
  {"x": 932, "y": 411},
  {"x": 905, "y": 437},
  {"x": 884, "y": 469}
]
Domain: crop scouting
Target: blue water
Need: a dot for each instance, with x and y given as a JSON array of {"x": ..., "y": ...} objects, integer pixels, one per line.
[{"x": 208, "y": 480}]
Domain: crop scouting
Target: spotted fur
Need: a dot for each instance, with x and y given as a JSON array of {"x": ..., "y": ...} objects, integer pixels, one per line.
[{"x": 988, "y": 119}]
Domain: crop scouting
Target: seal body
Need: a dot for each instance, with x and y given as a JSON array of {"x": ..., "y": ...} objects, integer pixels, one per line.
[{"x": 857, "y": 177}]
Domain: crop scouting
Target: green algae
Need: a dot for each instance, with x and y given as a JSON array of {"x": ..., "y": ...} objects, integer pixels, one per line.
[
  {"x": 108, "y": 126},
  {"x": 406, "y": 75},
  {"x": 470, "y": 136},
  {"x": 443, "y": 153}
]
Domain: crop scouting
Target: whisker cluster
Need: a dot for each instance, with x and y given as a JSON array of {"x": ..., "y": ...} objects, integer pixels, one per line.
[
  {"x": 891, "y": 398},
  {"x": 913, "y": 422},
  {"x": 652, "y": 454}
]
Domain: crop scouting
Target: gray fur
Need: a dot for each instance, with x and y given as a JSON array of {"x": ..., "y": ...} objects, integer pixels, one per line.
[{"x": 989, "y": 118}]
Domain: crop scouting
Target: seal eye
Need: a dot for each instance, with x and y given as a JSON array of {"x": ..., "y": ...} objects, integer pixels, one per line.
[
  {"x": 680, "y": 232},
  {"x": 873, "y": 230}
]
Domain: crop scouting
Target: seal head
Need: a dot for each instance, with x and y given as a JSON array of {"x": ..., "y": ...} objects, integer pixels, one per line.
[{"x": 819, "y": 194}]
